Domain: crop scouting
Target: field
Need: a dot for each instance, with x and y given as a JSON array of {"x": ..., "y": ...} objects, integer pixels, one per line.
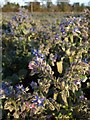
[{"x": 45, "y": 66}]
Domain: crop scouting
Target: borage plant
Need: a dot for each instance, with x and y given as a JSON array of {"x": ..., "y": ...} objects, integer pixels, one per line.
[{"x": 44, "y": 67}]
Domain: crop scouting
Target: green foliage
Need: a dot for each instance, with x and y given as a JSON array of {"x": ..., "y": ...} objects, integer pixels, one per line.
[{"x": 58, "y": 53}]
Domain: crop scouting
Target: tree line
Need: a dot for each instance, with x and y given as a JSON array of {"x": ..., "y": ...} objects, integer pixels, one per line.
[{"x": 48, "y": 7}]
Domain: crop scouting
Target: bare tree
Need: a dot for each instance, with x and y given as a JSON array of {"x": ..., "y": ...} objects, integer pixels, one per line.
[
  {"x": 49, "y": 4},
  {"x": 63, "y": 1},
  {"x": 6, "y": 1},
  {"x": 89, "y": 3}
]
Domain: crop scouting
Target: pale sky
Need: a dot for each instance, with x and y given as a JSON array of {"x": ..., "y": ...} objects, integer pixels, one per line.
[{"x": 21, "y": 2}]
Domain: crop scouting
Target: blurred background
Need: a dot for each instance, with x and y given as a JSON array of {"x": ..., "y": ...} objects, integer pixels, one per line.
[{"x": 45, "y": 5}]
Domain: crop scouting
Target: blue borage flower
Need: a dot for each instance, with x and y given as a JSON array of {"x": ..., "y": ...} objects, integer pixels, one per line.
[
  {"x": 61, "y": 25},
  {"x": 85, "y": 60},
  {"x": 7, "y": 91},
  {"x": 56, "y": 36},
  {"x": 33, "y": 85},
  {"x": 38, "y": 54},
  {"x": 62, "y": 30},
  {"x": 82, "y": 97},
  {"x": 20, "y": 87},
  {"x": 32, "y": 29},
  {"x": 14, "y": 18},
  {"x": 20, "y": 38},
  {"x": 76, "y": 30},
  {"x": 35, "y": 52},
  {"x": 6, "y": 88},
  {"x": 39, "y": 101},
  {"x": 4, "y": 85},
  {"x": 76, "y": 82},
  {"x": 55, "y": 56},
  {"x": 9, "y": 25},
  {"x": 36, "y": 62}
]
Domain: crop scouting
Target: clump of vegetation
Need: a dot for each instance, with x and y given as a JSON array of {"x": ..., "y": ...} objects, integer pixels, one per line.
[{"x": 46, "y": 66}]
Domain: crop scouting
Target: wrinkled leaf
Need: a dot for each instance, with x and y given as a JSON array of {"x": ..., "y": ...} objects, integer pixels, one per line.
[
  {"x": 71, "y": 38},
  {"x": 68, "y": 52},
  {"x": 55, "y": 96},
  {"x": 22, "y": 73},
  {"x": 16, "y": 115},
  {"x": 60, "y": 66},
  {"x": 71, "y": 59},
  {"x": 15, "y": 79},
  {"x": 64, "y": 96}
]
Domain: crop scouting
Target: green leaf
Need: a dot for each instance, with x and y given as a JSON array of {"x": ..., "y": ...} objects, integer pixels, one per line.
[
  {"x": 66, "y": 39},
  {"x": 71, "y": 38},
  {"x": 22, "y": 73},
  {"x": 8, "y": 79},
  {"x": 71, "y": 59},
  {"x": 15, "y": 79},
  {"x": 64, "y": 96},
  {"x": 55, "y": 96},
  {"x": 68, "y": 52},
  {"x": 16, "y": 115},
  {"x": 51, "y": 106},
  {"x": 29, "y": 38},
  {"x": 8, "y": 106},
  {"x": 25, "y": 32},
  {"x": 60, "y": 66},
  {"x": 83, "y": 77}
]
